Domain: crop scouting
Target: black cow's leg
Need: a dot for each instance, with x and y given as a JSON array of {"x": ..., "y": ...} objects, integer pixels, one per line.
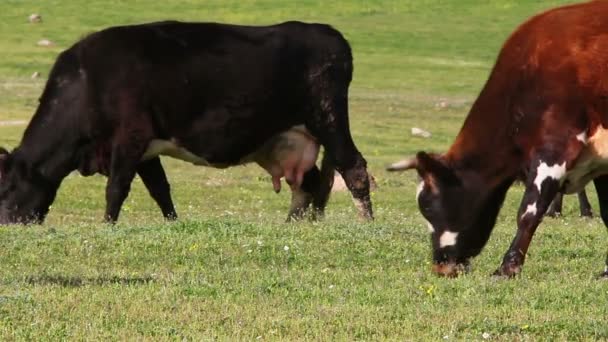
[
  {"x": 326, "y": 182},
  {"x": 353, "y": 168},
  {"x": 601, "y": 186},
  {"x": 584, "y": 205},
  {"x": 302, "y": 197},
  {"x": 153, "y": 176},
  {"x": 555, "y": 209},
  {"x": 333, "y": 131},
  {"x": 541, "y": 187},
  {"x": 316, "y": 188},
  {"x": 125, "y": 160}
]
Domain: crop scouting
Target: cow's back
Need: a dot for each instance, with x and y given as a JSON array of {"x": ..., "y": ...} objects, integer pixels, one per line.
[
  {"x": 559, "y": 55},
  {"x": 190, "y": 68}
]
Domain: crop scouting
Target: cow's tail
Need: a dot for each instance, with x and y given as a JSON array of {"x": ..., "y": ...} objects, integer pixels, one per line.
[{"x": 326, "y": 182}]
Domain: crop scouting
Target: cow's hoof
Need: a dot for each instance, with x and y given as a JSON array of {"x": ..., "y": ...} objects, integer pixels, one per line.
[
  {"x": 587, "y": 214},
  {"x": 171, "y": 217},
  {"x": 603, "y": 275},
  {"x": 507, "y": 271},
  {"x": 553, "y": 214},
  {"x": 450, "y": 269}
]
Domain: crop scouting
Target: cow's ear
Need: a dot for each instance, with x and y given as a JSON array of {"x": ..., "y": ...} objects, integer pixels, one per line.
[
  {"x": 3, "y": 161},
  {"x": 433, "y": 170}
]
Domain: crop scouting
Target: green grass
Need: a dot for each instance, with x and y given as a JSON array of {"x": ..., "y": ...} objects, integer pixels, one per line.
[{"x": 230, "y": 268}]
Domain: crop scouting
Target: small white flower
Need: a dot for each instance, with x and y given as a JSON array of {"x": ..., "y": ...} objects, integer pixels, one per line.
[
  {"x": 286, "y": 248},
  {"x": 331, "y": 286},
  {"x": 485, "y": 335},
  {"x": 249, "y": 251},
  {"x": 446, "y": 337},
  {"x": 260, "y": 243}
]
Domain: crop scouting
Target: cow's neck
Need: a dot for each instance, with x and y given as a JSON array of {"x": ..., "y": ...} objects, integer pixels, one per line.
[
  {"x": 485, "y": 144},
  {"x": 49, "y": 145}
]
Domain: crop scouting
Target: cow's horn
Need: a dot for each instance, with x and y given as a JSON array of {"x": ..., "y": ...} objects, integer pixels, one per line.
[{"x": 402, "y": 165}]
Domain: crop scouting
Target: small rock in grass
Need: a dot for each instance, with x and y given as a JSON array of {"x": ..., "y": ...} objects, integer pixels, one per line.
[
  {"x": 35, "y": 18},
  {"x": 419, "y": 132},
  {"x": 45, "y": 42}
]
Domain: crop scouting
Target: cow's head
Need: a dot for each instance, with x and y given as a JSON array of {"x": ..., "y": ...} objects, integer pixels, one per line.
[
  {"x": 459, "y": 208},
  {"x": 25, "y": 195}
]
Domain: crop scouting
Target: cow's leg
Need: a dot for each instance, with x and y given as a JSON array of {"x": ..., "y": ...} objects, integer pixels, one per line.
[
  {"x": 326, "y": 182},
  {"x": 153, "y": 176},
  {"x": 584, "y": 205},
  {"x": 601, "y": 186},
  {"x": 555, "y": 209},
  {"x": 542, "y": 185},
  {"x": 352, "y": 166},
  {"x": 125, "y": 160},
  {"x": 302, "y": 197},
  {"x": 332, "y": 128}
]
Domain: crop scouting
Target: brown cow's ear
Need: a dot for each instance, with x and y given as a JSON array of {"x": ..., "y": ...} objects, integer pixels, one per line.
[{"x": 433, "y": 170}]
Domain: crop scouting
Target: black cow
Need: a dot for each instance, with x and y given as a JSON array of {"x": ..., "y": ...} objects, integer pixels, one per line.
[{"x": 212, "y": 94}]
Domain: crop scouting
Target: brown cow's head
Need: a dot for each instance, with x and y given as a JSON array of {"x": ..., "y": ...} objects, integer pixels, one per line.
[
  {"x": 25, "y": 195},
  {"x": 460, "y": 210}
]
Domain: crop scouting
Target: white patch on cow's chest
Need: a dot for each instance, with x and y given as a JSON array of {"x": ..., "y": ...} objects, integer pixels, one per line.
[
  {"x": 582, "y": 137},
  {"x": 593, "y": 162},
  {"x": 544, "y": 171}
]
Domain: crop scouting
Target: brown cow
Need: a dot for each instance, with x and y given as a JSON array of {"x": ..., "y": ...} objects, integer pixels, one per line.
[{"x": 544, "y": 108}]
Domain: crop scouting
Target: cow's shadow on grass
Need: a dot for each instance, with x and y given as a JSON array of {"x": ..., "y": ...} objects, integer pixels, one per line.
[{"x": 72, "y": 281}]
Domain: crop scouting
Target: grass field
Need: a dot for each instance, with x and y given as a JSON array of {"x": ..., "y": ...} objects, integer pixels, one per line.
[{"x": 230, "y": 269}]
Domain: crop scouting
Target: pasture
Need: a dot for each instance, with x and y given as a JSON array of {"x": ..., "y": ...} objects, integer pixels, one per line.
[{"x": 230, "y": 268}]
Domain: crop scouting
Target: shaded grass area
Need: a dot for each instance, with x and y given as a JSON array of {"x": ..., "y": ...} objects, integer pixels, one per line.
[{"x": 230, "y": 268}]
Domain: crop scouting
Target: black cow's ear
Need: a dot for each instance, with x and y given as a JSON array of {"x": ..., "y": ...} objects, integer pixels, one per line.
[
  {"x": 433, "y": 170},
  {"x": 3, "y": 161}
]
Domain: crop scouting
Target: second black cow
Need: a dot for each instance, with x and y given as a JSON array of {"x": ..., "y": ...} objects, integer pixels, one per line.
[{"x": 212, "y": 94}]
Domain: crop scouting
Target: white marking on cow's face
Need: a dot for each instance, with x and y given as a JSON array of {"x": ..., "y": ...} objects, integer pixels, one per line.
[
  {"x": 531, "y": 209},
  {"x": 582, "y": 137},
  {"x": 544, "y": 171},
  {"x": 448, "y": 238},
  {"x": 419, "y": 189}
]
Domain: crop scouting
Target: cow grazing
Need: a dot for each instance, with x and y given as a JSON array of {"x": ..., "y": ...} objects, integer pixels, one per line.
[
  {"x": 212, "y": 94},
  {"x": 544, "y": 108}
]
